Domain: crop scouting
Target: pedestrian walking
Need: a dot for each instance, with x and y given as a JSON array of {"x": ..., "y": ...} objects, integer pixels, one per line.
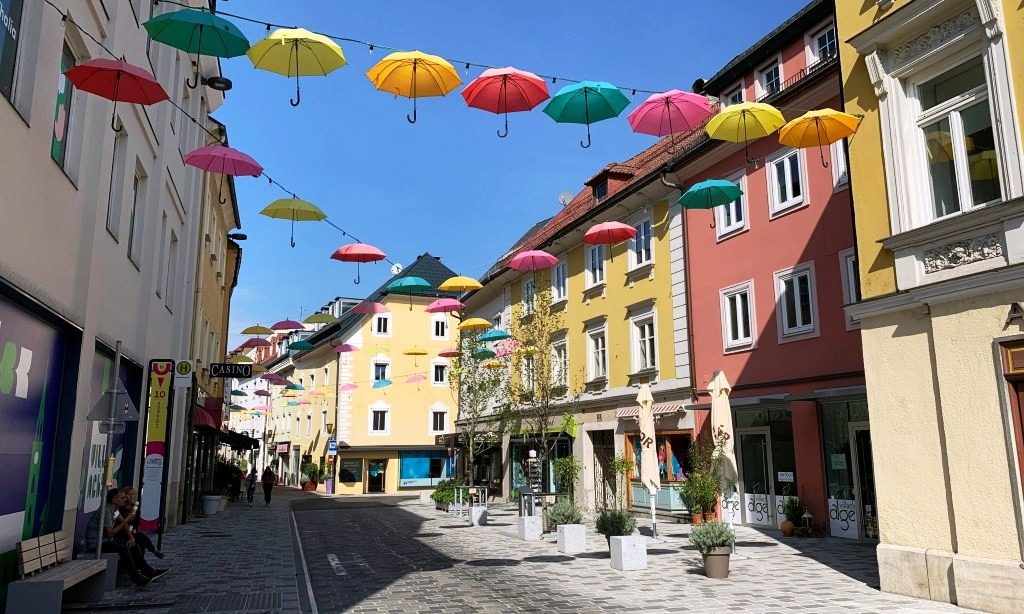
[
  {"x": 250, "y": 486},
  {"x": 268, "y": 484}
]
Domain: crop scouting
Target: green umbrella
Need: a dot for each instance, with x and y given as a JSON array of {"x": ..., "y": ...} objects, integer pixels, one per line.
[
  {"x": 483, "y": 353},
  {"x": 300, "y": 346},
  {"x": 409, "y": 285},
  {"x": 709, "y": 194},
  {"x": 198, "y": 32},
  {"x": 494, "y": 335},
  {"x": 235, "y": 406},
  {"x": 586, "y": 102},
  {"x": 239, "y": 393}
]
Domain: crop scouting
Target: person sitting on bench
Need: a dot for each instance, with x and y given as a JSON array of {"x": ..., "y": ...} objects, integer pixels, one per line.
[
  {"x": 130, "y": 507},
  {"x": 129, "y": 553}
]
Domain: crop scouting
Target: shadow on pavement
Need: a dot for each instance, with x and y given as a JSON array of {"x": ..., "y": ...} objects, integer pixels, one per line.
[
  {"x": 548, "y": 559},
  {"x": 493, "y": 563}
]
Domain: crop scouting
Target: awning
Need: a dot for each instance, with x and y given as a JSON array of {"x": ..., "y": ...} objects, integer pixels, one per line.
[
  {"x": 664, "y": 408},
  {"x": 238, "y": 441},
  {"x": 209, "y": 413}
]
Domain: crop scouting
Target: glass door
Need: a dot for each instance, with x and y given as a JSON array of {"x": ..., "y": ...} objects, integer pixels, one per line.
[
  {"x": 375, "y": 475},
  {"x": 864, "y": 479},
  {"x": 757, "y": 487}
]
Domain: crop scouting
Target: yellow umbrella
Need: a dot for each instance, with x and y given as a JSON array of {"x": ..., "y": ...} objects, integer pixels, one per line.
[
  {"x": 475, "y": 324},
  {"x": 414, "y": 74},
  {"x": 295, "y": 210},
  {"x": 493, "y": 364},
  {"x": 259, "y": 369},
  {"x": 818, "y": 128},
  {"x": 321, "y": 318},
  {"x": 257, "y": 330},
  {"x": 414, "y": 352},
  {"x": 459, "y": 284},
  {"x": 241, "y": 359},
  {"x": 296, "y": 52},
  {"x": 744, "y": 121}
]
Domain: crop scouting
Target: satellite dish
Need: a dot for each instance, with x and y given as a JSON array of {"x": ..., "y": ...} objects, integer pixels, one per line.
[
  {"x": 565, "y": 198},
  {"x": 396, "y": 269}
]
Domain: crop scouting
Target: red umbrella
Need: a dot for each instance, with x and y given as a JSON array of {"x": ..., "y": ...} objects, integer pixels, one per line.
[
  {"x": 504, "y": 90},
  {"x": 262, "y": 393},
  {"x": 445, "y": 305},
  {"x": 224, "y": 160},
  {"x": 358, "y": 252},
  {"x": 449, "y": 353},
  {"x": 118, "y": 81},
  {"x": 288, "y": 325},
  {"x": 370, "y": 308},
  {"x": 256, "y": 342},
  {"x": 342, "y": 348},
  {"x": 608, "y": 233},
  {"x": 532, "y": 260}
]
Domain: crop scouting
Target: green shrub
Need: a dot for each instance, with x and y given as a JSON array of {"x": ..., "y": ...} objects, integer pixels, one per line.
[
  {"x": 565, "y": 511},
  {"x": 615, "y": 523},
  {"x": 793, "y": 511},
  {"x": 311, "y": 473},
  {"x": 567, "y": 471},
  {"x": 711, "y": 535},
  {"x": 444, "y": 492}
]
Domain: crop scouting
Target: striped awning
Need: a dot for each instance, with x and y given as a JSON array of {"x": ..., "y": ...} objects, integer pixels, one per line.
[{"x": 664, "y": 408}]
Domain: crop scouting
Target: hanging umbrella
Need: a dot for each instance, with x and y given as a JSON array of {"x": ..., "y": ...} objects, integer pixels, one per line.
[
  {"x": 358, "y": 253},
  {"x": 445, "y": 305},
  {"x": 483, "y": 353},
  {"x": 287, "y": 325},
  {"x": 347, "y": 387},
  {"x": 118, "y": 81},
  {"x": 270, "y": 377},
  {"x": 382, "y": 383},
  {"x": 305, "y": 401},
  {"x": 292, "y": 404},
  {"x": 258, "y": 369},
  {"x": 343, "y": 348},
  {"x": 710, "y": 194},
  {"x": 738, "y": 123},
  {"x": 320, "y": 318},
  {"x": 223, "y": 160},
  {"x": 300, "y": 346},
  {"x": 199, "y": 32},
  {"x": 415, "y": 352},
  {"x": 494, "y": 335},
  {"x": 295, "y": 52},
  {"x": 295, "y": 210},
  {"x": 505, "y": 90},
  {"x": 412, "y": 379},
  {"x": 669, "y": 113},
  {"x": 262, "y": 393},
  {"x": 257, "y": 330},
  {"x": 492, "y": 364},
  {"x": 235, "y": 406},
  {"x": 459, "y": 283},
  {"x": 532, "y": 260},
  {"x": 262, "y": 408},
  {"x": 818, "y": 128},
  {"x": 607, "y": 233},
  {"x": 256, "y": 342},
  {"x": 449, "y": 353},
  {"x": 239, "y": 393},
  {"x": 241, "y": 359},
  {"x": 474, "y": 324},
  {"x": 414, "y": 74},
  {"x": 370, "y": 308},
  {"x": 586, "y": 102},
  {"x": 409, "y": 285}
]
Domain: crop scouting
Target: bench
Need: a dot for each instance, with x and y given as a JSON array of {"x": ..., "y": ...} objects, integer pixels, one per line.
[{"x": 47, "y": 572}]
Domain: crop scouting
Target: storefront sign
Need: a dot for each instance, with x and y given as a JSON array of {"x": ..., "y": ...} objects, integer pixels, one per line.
[
  {"x": 786, "y": 476},
  {"x": 839, "y": 461},
  {"x": 350, "y": 470},
  {"x": 183, "y": 374},
  {"x": 282, "y": 448},
  {"x": 731, "y": 508},
  {"x": 1016, "y": 315},
  {"x": 842, "y": 518},
  {"x": 230, "y": 369},
  {"x": 757, "y": 509},
  {"x": 157, "y": 419}
]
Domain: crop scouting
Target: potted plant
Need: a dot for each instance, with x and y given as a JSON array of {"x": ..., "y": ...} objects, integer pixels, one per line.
[
  {"x": 794, "y": 513},
  {"x": 615, "y": 523},
  {"x": 696, "y": 514},
  {"x": 567, "y": 517},
  {"x": 212, "y": 500},
  {"x": 311, "y": 473},
  {"x": 444, "y": 494},
  {"x": 714, "y": 542}
]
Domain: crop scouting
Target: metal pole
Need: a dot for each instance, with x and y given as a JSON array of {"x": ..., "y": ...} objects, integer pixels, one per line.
[
  {"x": 654, "y": 520},
  {"x": 109, "y": 481}
]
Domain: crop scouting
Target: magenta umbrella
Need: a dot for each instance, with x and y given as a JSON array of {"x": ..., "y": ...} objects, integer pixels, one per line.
[
  {"x": 445, "y": 305},
  {"x": 358, "y": 252},
  {"x": 504, "y": 90},
  {"x": 532, "y": 260},
  {"x": 370, "y": 307},
  {"x": 670, "y": 112},
  {"x": 288, "y": 325},
  {"x": 262, "y": 393},
  {"x": 224, "y": 160},
  {"x": 345, "y": 347}
]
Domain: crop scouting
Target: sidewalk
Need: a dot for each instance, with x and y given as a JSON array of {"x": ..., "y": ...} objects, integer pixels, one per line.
[{"x": 240, "y": 560}]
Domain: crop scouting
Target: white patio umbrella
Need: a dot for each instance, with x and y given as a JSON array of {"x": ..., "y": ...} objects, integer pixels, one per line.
[
  {"x": 721, "y": 418},
  {"x": 650, "y": 476}
]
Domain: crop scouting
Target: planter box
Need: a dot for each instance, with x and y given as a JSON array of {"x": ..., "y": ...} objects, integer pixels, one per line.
[
  {"x": 223, "y": 504},
  {"x": 443, "y": 507},
  {"x": 425, "y": 498},
  {"x": 211, "y": 505},
  {"x": 716, "y": 563},
  {"x": 629, "y": 553},
  {"x": 572, "y": 538},
  {"x": 478, "y": 515},
  {"x": 529, "y": 528}
]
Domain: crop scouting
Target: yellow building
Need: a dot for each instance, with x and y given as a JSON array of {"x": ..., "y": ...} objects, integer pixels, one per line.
[
  {"x": 621, "y": 310},
  {"x": 937, "y": 190}
]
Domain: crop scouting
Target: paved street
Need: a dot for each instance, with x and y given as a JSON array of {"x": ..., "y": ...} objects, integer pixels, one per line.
[{"x": 392, "y": 554}]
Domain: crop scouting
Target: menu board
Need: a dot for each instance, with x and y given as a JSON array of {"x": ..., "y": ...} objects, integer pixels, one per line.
[{"x": 350, "y": 470}]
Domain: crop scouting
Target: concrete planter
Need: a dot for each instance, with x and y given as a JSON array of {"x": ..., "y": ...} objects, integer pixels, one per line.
[
  {"x": 572, "y": 538},
  {"x": 478, "y": 515},
  {"x": 211, "y": 505},
  {"x": 629, "y": 553},
  {"x": 223, "y": 504},
  {"x": 530, "y": 528},
  {"x": 716, "y": 563},
  {"x": 425, "y": 498}
]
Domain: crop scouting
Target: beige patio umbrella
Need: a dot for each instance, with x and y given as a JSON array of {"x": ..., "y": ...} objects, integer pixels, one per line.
[
  {"x": 649, "y": 474},
  {"x": 721, "y": 418}
]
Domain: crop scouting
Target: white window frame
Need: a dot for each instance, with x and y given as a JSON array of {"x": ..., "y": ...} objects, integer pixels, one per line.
[
  {"x": 760, "y": 86},
  {"x": 740, "y": 343},
  {"x": 637, "y": 325},
  {"x": 528, "y": 295},
  {"x": 433, "y": 368},
  {"x": 375, "y": 407},
  {"x": 848, "y": 273},
  {"x": 801, "y": 330},
  {"x": 437, "y": 408},
  {"x": 813, "y": 52},
  {"x": 528, "y": 373},
  {"x": 559, "y": 273},
  {"x": 723, "y": 230},
  {"x": 726, "y": 98},
  {"x": 309, "y": 424},
  {"x": 778, "y": 206},
  {"x": 376, "y": 360},
  {"x": 442, "y": 319},
  {"x": 592, "y": 337},
  {"x": 560, "y": 366},
  {"x": 634, "y": 259},
  {"x": 377, "y": 318},
  {"x": 595, "y": 275},
  {"x": 323, "y": 423},
  {"x": 840, "y": 166}
]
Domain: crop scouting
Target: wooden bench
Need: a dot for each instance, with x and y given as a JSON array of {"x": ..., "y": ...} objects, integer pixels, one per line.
[{"x": 47, "y": 572}]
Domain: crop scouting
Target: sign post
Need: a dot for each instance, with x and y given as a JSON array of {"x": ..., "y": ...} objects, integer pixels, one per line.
[{"x": 160, "y": 394}]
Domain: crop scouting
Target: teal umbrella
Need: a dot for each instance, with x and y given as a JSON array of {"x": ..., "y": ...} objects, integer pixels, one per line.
[
  {"x": 300, "y": 346},
  {"x": 198, "y": 32},
  {"x": 294, "y": 387},
  {"x": 483, "y": 354},
  {"x": 409, "y": 285},
  {"x": 494, "y": 335},
  {"x": 292, "y": 404},
  {"x": 709, "y": 194},
  {"x": 586, "y": 102},
  {"x": 383, "y": 383}
]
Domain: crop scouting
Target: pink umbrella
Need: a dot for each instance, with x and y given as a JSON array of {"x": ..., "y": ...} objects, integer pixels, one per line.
[
  {"x": 315, "y": 393},
  {"x": 504, "y": 90},
  {"x": 347, "y": 387},
  {"x": 412, "y": 379},
  {"x": 341, "y": 348},
  {"x": 369, "y": 307},
  {"x": 449, "y": 353},
  {"x": 262, "y": 393},
  {"x": 532, "y": 261},
  {"x": 608, "y": 233},
  {"x": 358, "y": 252},
  {"x": 224, "y": 160},
  {"x": 304, "y": 401},
  {"x": 288, "y": 325},
  {"x": 445, "y": 305},
  {"x": 670, "y": 112},
  {"x": 262, "y": 408}
]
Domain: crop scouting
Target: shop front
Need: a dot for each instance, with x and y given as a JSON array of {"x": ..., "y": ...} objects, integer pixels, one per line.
[
  {"x": 283, "y": 450},
  {"x": 539, "y": 475},
  {"x": 673, "y": 434},
  {"x": 390, "y": 470},
  {"x": 849, "y": 470},
  {"x": 766, "y": 463}
]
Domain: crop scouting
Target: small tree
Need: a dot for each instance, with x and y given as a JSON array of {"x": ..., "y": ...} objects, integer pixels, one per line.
[{"x": 567, "y": 471}]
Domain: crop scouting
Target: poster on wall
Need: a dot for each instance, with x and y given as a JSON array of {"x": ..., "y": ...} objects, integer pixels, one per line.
[
  {"x": 32, "y": 355},
  {"x": 731, "y": 507},
  {"x": 10, "y": 31},
  {"x": 842, "y": 518},
  {"x": 157, "y": 419},
  {"x": 758, "y": 512}
]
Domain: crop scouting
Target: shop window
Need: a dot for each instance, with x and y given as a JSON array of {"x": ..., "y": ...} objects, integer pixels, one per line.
[
  {"x": 673, "y": 454},
  {"x": 10, "y": 46},
  {"x": 63, "y": 113},
  {"x": 420, "y": 468}
]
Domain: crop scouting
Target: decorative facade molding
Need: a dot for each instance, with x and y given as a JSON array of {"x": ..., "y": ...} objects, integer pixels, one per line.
[
  {"x": 877, "y": 72},
  {"x": 989, "y": 15},
  {"x": 963, "y": 252},
  {"x": 937, "y": 36}
]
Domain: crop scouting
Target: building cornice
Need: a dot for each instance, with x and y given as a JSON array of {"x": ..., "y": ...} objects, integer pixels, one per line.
[{"x": 960, "y": 224}]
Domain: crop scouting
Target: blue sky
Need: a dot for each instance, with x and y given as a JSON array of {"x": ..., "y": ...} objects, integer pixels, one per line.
[{"x": 447, "y": 184}]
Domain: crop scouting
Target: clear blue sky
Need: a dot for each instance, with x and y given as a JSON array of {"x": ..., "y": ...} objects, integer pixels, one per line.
[{"x": 447, "y": 184}]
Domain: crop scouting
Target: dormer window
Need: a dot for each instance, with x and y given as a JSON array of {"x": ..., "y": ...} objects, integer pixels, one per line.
[{"x": 601, "y": 190}]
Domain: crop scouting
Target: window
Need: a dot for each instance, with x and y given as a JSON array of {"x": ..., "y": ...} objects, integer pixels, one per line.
[
  {"x": 786, "y": 187},
  {"x": 644, "y": 342},
  {"x": 738, "y": 315},
  {"x": 769, "y": 78},
  {"x": 595, "y": 265},
  {"x": 497, "y": 321},
  {"x": 851, "y": 287},
  {"x": 559, "y": 364},
  {"x": 560, "y": 282},
  {"x": 840, "y": 167},
  {"x": 172, "y": 260},
  {"x": 527, "y": 372},
  {"x": 62, "y": 113},
  {"x": 733, "y": 96},
  {"x": 379, "y": 422},
  {"x": 382, "y": 325},
  {"x": 956, "y": 121},
  {"x": 440, "y": 374},
  {"x": 11, "y": 17},
  {"x": 440, "y": 325},
  {"x": 598, "y": 367},
  {"x": 161, "y": 267},
  {"x": 529, "y": 293},
  {"x": 115, "y": 192},
  {"x": 601, "y": 190},
  {"x": 795, "y": 294},
  {"x": 641, "y": 244},
  {"x": 381, "y": 369},
  {"x": 309, "y": 425},
  {"x": 323, "y": 423},
  {"x": 823, "y": 43},
  {"x": 732, "y": 217},
  {"x": 438, "y": 419},
  {"x": 135, "y": 217}
]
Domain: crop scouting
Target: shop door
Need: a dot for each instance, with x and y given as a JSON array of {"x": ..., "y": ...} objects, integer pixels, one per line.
[
  {"x": 756, "y": 484},
  {"x": 864, "y": 479},
  {"x": 375, "y": 471},
  {"x": 604, "y": 479}
]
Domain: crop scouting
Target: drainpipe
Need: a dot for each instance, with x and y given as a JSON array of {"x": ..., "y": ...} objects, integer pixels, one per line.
[{"x": 686, "y": 285}]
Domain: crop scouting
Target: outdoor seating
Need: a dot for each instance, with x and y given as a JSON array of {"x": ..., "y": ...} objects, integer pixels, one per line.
[{"x": 47, "y": 572}]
